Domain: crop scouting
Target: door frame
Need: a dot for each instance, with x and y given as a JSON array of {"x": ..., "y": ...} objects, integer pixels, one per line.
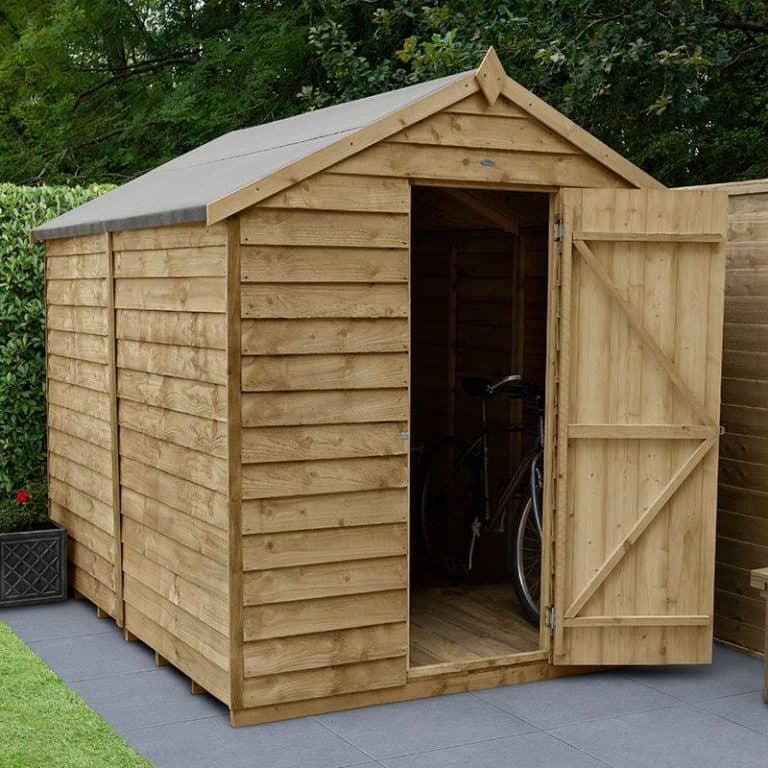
[{"x": 544, "y": 651}]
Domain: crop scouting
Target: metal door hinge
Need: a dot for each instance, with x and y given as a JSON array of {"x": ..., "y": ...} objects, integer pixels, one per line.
[
  {"x": 550, "y": 620},
  {"x": 559, "y": 230},
  {"x": 404, "y": 435}
]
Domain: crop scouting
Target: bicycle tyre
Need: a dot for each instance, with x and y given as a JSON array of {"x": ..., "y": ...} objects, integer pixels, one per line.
[{"x": 526, "y": 562}]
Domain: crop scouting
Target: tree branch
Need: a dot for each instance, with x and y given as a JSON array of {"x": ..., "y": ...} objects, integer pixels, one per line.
[
  {"x": 596, "y": 23},
  {"x": 125, "y": 73},
  {"x": 743, "y": 26}
]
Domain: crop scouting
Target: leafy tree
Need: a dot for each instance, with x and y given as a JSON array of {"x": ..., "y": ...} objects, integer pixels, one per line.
[
  {"x": 107, "y": 89},
  {"x": 680, "y": 87}
]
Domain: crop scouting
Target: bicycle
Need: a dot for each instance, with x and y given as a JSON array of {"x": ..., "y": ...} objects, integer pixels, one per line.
[{"x": 456, "y": 507}]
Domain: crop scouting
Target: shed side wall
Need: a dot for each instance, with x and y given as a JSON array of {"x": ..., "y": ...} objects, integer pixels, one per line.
[
  {"x": 80, "y": 428},
  {"x": 742, "y": 526},
  {"x": 325, "y": 305},
  {"x": 170, "y": 306}
]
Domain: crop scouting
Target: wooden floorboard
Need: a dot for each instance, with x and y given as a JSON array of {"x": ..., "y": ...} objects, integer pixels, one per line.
[{"x": 467, "y": 623}]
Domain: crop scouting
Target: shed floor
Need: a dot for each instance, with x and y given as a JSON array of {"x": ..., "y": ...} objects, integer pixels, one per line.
[
  {"x": 689, "y": 717},
  {"x": 467, "y": 622}
]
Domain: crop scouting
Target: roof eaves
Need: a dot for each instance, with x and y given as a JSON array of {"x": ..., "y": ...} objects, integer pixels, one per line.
[{"x": 159, "y": 219}]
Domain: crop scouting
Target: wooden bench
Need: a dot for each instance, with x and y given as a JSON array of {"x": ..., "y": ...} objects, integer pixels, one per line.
[{"x": 760, "y": 581}]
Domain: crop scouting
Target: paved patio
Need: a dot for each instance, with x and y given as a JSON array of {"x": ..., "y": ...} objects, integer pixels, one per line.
[{"x": 707, "y": 717}]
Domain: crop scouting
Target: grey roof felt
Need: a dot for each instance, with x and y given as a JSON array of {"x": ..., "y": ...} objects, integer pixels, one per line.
[{"x": 180, "y": 190}]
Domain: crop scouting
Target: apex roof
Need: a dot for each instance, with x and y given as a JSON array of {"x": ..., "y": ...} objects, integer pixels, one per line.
[{"x": 242, "y": 167}]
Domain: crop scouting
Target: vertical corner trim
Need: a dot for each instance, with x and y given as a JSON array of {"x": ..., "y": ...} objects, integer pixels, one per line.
[
  {"x": 112, "y": 383},
  {"x": 234, "y": 469}
]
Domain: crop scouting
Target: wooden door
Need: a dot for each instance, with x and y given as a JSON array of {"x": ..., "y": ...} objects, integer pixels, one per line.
[{"x": 640, "y": 333}]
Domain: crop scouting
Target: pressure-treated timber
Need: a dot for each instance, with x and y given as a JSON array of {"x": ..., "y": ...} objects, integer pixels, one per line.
[
  {"x": 82, "y": 433},
  {"x": 759, "y": 581},
  {"x": 490, "y": 79},
  {"x": 322, "y": 159},
  {"x": 641, "y": 431},
  {"x": 640, "y": 459},
  {"x": 742, "y": 525},
  {"x": 648, "y": 516},
  {"x": 490, "y": 75},
  {"x": 247, "y": 400},
  {"x": 171, "y": 345},
  {"x": 637, "y": 324},
  {"x": 467, "y": 624},
  {"x": 236, "y": 587}
]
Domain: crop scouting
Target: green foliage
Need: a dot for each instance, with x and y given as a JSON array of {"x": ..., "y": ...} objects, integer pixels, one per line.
[
  {"x": 107, "y": 89},
  {"x": 680, "y": 88},
  {"x": 22, "y": 326},
  {"x": 27, "y": 515},
  {"x": 44, "y": 723}
]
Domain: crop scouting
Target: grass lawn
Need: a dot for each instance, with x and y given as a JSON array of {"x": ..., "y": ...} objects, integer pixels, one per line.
[{"x": 44, "y": 724}]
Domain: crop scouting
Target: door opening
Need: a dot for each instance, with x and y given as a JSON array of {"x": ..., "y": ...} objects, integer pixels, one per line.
[{"x": 479, "y": 265}]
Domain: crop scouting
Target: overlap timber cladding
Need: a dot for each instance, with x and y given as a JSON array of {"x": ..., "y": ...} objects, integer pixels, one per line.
[
  {"x": 171, "y": 385},
  {"x": 325, "y": 303},
  {"x": 80, "y": 436},
  {"x": 742, "y": 521}
]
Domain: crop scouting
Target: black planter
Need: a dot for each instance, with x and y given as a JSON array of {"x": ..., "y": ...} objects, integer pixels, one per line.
[{"x": 33, "y": 566}]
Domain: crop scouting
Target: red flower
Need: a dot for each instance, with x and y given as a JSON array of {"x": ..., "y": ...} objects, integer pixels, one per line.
[{"x": 22, "y": 497}]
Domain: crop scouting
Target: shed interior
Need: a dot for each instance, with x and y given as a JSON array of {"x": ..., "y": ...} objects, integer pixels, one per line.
[{"x": 478, "y": 308}]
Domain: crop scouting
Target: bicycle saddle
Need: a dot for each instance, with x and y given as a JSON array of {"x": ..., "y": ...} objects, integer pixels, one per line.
[{"x": 510, "y": 387}]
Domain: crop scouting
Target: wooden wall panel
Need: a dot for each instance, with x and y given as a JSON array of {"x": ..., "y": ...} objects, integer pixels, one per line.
[
  {"x": 324, "y": 343},
  {"x": 171, "y": 377},
  {"x": 325, "y": 313},
  {"x": 742, "y": 527},
  {"x": 80, "y": 424}
]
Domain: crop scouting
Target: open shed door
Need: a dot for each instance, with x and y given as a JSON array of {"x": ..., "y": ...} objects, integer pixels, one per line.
[{"x": 641, "y": 276}]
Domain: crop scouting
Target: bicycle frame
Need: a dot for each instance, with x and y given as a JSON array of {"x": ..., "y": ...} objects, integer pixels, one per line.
[{"x": 527, "y": 466}]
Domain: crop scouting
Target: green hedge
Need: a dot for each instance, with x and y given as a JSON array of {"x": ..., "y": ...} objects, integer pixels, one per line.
[{"x": 22, "y": 326}]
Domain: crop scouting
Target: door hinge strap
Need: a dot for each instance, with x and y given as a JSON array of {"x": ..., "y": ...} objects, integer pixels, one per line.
[{"x": 550, "y": 620}]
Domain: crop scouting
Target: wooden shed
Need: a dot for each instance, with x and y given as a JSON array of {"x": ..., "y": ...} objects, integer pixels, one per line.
[
  {"x": 742, "y": 517},
  {"x": 249, "y": 346}
]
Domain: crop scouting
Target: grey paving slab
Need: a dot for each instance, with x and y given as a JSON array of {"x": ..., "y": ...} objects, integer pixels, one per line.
[
  {"x": 143, "y": 699},
  {"x": 390, "y": 730},
  {"x": 531, "y": 750},
  {"x": 730, "y": 673},
  {"x": 573, "y": 699},
  {"x": 71, "y": 618},
  {"x": 660, "y": 717},
  {"x": 676, "y": 737},
  {"x": 747, "y": 709},
  {"x": 90, "y": 656},
  {"x": 211, "y": 743}
]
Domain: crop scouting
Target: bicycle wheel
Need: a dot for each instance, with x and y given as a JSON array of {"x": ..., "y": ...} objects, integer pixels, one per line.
[
  {"x": 526, "y": 562},
  {"x": 450, "y": 499}
]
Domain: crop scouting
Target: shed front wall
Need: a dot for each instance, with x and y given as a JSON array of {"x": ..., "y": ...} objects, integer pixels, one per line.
[
  {"x": 325, "y": 408},
  {"x": 742, "y": 526}
]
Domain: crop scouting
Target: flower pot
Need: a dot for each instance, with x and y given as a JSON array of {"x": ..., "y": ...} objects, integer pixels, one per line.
[{"x": 33, "y": 566}]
